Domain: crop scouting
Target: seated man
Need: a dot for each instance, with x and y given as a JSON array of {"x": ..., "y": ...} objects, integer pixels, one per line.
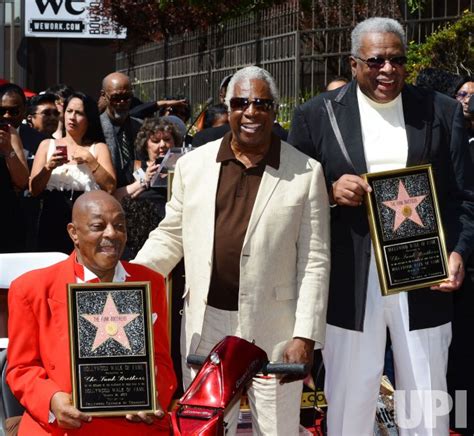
[{"x": 38, "y": 353}]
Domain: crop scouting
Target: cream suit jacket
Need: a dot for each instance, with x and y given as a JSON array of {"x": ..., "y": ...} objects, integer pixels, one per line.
[{"x": 284, "y": 263}]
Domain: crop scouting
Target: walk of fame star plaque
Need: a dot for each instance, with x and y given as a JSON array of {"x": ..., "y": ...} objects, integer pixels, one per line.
[
  {"x": 111, "y": 344},
  {"x": 406, "y": 229}
]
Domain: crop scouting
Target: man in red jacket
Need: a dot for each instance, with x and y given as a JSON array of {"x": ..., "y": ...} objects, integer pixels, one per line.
[{"x": 38, "y": 353}]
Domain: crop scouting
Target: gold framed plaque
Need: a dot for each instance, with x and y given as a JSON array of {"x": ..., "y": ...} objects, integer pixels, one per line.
[
  {"x": 111, "y": 346},
  {"x": 406, "y": 229}
]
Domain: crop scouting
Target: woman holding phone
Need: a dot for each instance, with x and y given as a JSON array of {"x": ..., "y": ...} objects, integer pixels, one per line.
[
  {"x": 65, "y": 168},
  {"x": 13, "y": 175},
  {"x": 144, "y": 205}
]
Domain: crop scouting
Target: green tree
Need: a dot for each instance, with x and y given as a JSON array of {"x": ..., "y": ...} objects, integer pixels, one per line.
[
  {"x": 152, "y": 20},
  {"x": 449, "y": 48}
]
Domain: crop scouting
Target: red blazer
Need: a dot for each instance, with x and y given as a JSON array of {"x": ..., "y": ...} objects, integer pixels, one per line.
[{"x": 38, "y": 350}]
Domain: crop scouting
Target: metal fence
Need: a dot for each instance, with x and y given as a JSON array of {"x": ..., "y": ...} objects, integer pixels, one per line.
[{"x": 301, "y": 48}]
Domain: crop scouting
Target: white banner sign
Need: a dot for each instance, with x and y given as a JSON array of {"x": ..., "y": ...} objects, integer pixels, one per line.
[{"x": 67, "y": 19}]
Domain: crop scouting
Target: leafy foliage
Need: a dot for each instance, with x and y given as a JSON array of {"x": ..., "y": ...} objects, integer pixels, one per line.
[
  {"x": 152, "y": 20},
  {"x": 415, "y": 5},
  {"x": 450, "y": 48}
]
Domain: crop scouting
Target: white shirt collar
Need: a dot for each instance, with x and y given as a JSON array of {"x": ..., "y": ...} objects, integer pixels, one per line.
[{"x": 120, "y": 274}]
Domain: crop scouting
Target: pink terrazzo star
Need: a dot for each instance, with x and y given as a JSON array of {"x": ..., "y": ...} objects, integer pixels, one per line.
[
  {"x": 110, "y": 324},
  {"x": 405, "y": 207}
]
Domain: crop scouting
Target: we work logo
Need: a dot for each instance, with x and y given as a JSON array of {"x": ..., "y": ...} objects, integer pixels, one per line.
[
  {"x": 68, "y": 19},
  {"x": 59, "y": 17},
  {"x": 56, "y": 5}
]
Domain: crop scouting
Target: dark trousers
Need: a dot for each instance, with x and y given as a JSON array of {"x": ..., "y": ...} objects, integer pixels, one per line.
[{"x": 461, "y": 352}]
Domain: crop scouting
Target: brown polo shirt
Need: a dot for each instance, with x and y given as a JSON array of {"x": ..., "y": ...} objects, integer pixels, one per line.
[{"x": 236, "y": 192}]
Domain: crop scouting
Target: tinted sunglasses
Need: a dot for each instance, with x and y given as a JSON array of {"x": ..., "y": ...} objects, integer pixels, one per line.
[
  {"x": 119, "y": 97},
  {"x": 260, "y": 104},
  {"x": 379, "y": 62},
  {"x": 13, "y": 111}
]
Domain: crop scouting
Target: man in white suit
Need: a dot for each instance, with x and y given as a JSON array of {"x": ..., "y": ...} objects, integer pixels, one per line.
[{"x": 250, "y": 215}]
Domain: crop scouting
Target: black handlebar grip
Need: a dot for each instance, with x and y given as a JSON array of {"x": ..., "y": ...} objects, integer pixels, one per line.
[
  {"x": 196, "y": 359},
  {"x": 300, "y": 369}
]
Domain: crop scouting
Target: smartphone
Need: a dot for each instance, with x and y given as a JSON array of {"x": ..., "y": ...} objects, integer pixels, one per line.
[
  {"x": 158, "y": 160},
  {"x": 63, "y": 150}
]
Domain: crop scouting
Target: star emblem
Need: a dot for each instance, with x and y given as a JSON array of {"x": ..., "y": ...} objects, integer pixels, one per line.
[
  {"x": 405, "y": 207},
  {"x": 110, "y": 324}
]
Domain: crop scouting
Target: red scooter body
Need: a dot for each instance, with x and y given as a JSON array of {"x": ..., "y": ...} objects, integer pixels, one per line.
[{"x": 230, "y": 365}]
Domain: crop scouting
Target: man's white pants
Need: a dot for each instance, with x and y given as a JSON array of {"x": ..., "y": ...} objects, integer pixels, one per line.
[
  {"x": 275, "y": 408},
  {"x": 354, "y": 364}
]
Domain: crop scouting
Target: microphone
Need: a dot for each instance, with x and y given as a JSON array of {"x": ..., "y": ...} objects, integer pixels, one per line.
[{"x": 204, "y": 107}]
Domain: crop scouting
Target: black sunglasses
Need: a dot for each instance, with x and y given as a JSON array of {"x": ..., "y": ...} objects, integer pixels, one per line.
[
  {"x": 260, "y": 104},
  {"x": 13, "y": 111},
  {"x": 379, "y": 62},
  {"x": 115, "y": 98}
]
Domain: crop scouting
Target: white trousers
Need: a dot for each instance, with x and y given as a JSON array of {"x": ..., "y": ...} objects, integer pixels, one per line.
[
  {"x": 275, "y": 408},
  {"x": 354, "y": 363}
]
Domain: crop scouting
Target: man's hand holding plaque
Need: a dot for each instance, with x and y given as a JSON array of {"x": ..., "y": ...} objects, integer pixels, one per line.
[
  {"x": 456, "y": 274},
  {"x": 349, "y": 190},
  {"x": 65, "y": 413}
]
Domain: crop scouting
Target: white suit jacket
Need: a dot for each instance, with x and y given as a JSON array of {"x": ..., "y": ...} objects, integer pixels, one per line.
[{"x": 284, "y": 263}]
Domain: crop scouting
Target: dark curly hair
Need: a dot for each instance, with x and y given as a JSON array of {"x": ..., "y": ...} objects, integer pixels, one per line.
[
  {"x": 142, "y": 216},
  {"x": 94, "y": 131},
  {"x": 440, "y": 80},
  {"x": 61, "y": 91},
  {"x": 149, "y": 127}
]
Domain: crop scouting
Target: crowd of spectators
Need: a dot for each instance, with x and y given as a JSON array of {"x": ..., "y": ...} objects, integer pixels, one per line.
[{"x": 72, "y": 144}]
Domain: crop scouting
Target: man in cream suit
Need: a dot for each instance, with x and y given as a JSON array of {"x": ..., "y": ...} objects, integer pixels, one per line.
[{"x": 250, "y": 215}]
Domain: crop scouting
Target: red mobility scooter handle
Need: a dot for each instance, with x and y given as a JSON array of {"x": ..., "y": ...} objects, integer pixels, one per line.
[{"x": 231, "y": 364}]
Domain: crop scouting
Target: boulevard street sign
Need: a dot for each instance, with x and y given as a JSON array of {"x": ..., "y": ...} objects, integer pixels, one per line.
[{"x": 67, "y": 19}]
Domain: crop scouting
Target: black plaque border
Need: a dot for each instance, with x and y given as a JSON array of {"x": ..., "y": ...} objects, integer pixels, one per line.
[
  {"x": 129, "y": 359},
  {"x": 376, "y": 235}
]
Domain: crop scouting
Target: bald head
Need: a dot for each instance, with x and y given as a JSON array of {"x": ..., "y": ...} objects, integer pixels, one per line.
[
  {"x": 117, "y": 92},
  {"x": 95, "y": 199},
  {"x": 114, "y": 79},
  {"x": 99, "y": 233}
]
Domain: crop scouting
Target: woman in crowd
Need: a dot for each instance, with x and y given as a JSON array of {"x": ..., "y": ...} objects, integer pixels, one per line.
[
  {"x": 13, "y": 175},
  {"x": 65, "y": 168},
  {"x": 62, "y": 92},
  {"x": 144, "y": 205}
]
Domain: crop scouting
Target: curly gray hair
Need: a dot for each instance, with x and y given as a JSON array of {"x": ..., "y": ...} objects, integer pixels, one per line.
[
  {"x": 149, "y": 127},
  {"x": 249, "y": 73},
  {"x": 375, "y": 25}
]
